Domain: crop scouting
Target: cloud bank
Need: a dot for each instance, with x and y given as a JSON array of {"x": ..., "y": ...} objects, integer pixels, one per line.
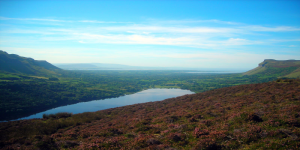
[{"x": 192, "y": 40}]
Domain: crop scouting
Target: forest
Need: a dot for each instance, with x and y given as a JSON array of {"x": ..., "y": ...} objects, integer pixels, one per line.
[{"x": 30, "y": 94}]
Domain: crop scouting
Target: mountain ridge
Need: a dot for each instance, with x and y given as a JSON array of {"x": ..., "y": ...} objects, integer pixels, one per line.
[
  {"x": 17, "y": 64},
  {"x": 282, "y": 68}
]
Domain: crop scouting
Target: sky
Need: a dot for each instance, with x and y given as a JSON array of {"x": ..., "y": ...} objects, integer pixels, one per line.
[{"x": 196, "y": 34}]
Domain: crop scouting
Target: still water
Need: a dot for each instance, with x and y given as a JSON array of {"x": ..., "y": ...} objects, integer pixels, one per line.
[{"x": 149, "y": 95}]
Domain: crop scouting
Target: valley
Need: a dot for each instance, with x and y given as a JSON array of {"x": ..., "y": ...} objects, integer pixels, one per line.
[
  {"x": 149, "y": 75},
  {"x": 253, "y": 110},
  {"x": 253, "y": 116},
  {"x": 33, "y": 94}
]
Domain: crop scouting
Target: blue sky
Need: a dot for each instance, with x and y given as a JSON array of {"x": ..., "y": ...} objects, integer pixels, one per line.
[{"x": 202, "y": 34}]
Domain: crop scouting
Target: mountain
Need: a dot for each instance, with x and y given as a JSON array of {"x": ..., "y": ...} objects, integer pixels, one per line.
[
  {"x": 279, "y": 68},
  {"x": 253, "y": 116},
  {"x": 105, "y": 66},
  {"x": 16, "y": 64},
  {"x": 78, "y": 66}
]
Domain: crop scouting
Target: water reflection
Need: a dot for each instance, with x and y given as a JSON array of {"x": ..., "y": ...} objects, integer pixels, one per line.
[{"x": 92, "y": 106}]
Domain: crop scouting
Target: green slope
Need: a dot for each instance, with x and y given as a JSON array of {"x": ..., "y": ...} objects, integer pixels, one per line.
[
  {"x": 278, "y": 68},
  {"x": 294, "y": 74},
  {"x": 16, "y": 64}
]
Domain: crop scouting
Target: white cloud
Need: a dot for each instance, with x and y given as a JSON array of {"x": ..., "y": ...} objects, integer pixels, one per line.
[
  {"x": 205, "y": 37},
  {"x": 271, "y": 29},
  {"x": 293, "y": 46},
  {"x": 199, "y": 29},
  {"x": 190, "y": 21},
  {"x": 163, "y": 29},
  {"x": 190, "y": 41},
  {"x": 95, "y": 21},
  {"x": 284, "y": 40},
  {"x": 238, "y": 41}
]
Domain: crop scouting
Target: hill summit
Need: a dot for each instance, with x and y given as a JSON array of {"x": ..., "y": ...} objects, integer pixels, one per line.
[
  {"x": 279, "y": 68},
  {"x": 16, "y": 64}
]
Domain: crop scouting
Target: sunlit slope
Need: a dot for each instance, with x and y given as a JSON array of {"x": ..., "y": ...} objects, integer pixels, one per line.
[
  {"x": 294, "y": 74},
  {"x": 16, "y": 64},
  {"x": 279, "y": 68}
]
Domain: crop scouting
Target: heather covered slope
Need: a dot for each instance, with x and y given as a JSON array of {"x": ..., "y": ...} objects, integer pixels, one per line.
[
  {"x": 255, "y": 116},
  {"x": 278, "y": 68},
  {"x": 16, "y": 64}
]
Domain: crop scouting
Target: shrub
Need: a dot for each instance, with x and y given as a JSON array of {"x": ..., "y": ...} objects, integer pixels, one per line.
[
  {"x": 57, "y": 115},
  {"x": 153, "y": 141},
  {"x": 53, "y": 79}
]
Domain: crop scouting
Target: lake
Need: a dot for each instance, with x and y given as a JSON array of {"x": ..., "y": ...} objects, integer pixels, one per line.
[{"x": 149, "y": 95}]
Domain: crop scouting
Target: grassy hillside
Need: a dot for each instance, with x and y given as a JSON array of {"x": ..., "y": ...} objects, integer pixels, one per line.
[
  {"x": 279, "y": 68},
  {"x": 16, "y": 64},
  {"x": 255, "y": 116}
]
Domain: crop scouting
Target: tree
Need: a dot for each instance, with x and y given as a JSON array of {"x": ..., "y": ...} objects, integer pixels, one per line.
[{"x": 53, "y": 79}]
